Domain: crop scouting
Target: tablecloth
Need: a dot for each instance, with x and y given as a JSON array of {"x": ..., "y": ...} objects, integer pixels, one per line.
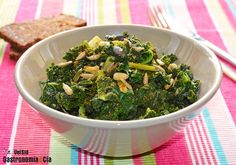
[{"x": 209, "y": 139}]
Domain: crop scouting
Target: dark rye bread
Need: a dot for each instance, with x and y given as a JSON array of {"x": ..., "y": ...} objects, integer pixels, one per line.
[
  {"x": 15, "y": 54},
  {"x": 23, "y": 35}
]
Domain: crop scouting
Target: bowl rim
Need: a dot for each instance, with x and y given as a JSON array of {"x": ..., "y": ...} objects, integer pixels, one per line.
[{"x": 40, "y": 107}]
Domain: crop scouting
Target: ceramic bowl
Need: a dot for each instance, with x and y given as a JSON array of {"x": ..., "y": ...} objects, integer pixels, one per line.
[{"x": 117, "y": 138}]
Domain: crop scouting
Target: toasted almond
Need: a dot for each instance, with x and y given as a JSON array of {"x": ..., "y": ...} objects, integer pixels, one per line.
[
  {"x": 126, "y": 84},
  {"x": 67, "y": 89},
  {"x": 63, "y": 64},
  {"x": 94, "y": 57},
  {"x": 87, "y": 76},
  {"x": 91, "y": 69},
  {"x": 76, "y": 62},
  {"x": 80, "y": 56},
  {"x": 173, "y": 84},
  {"x": 119, "y": 76},
  {"x": 167, "y": 86},
  {"x": 160, "y": 62},
  {"x": 138, "y": 48},
  {"x": 122, "y": 87},
  {"x": 172, "y": 66},
  {"x": 145, "y": 79}
]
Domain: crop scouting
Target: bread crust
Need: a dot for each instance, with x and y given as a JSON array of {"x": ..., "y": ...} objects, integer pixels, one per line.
[{"x": 14, "y": 54}]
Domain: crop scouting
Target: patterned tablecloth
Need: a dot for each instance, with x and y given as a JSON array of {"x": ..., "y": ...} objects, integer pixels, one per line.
[{"x": 209, "y": 139}]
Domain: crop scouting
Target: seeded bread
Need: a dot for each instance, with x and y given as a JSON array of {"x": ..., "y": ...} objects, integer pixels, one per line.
[
  {"x": 23, "y": 35},
  {"x": 15, "y": 54}
]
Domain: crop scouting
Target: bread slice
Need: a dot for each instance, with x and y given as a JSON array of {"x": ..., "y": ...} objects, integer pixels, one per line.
[
  {"x": 15, "y": 54},
  {"x": 23, "y": 35}
]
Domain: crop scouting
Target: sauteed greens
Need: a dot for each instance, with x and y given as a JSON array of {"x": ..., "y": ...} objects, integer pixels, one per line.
[{"x": 118, "y": 78}]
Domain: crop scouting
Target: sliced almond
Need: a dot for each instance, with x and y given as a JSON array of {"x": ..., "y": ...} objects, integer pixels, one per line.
[
  {"x": 119, "y": 76},
  {"x": 63, "y": 64},
  {"x": 76, "y": 62},
  {"x": 94, "y": 57},
  {"x": 91, "y": 69},
  {"x": 122, "y": 87},
  {"x": 167, "y": 86},
  {"x": 67, "y": 89},
  {"x": 126, "y": 84},
  {"x": 80, "y": 56},
  {"x": 174, "y": 81},
  {"x": 172, "y": 66},
  {"x": 138, "y": 48},
  {"x": 145, "y": 79},
  {"x": 160, "y": 62},
  {"x": 87, "y": 76}
]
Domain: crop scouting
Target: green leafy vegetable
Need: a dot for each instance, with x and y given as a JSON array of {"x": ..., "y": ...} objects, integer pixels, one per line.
[{"x": 118, "y": 78}]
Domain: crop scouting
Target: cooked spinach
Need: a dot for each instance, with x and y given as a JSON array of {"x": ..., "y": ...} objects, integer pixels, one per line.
[{"x": 118, "y": 78}]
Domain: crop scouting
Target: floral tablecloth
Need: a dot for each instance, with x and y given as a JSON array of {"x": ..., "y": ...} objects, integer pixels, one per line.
[{"x": 209, "y": 139}]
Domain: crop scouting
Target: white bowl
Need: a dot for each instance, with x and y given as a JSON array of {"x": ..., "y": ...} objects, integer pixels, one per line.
[{"x": 117, "y": 138}]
